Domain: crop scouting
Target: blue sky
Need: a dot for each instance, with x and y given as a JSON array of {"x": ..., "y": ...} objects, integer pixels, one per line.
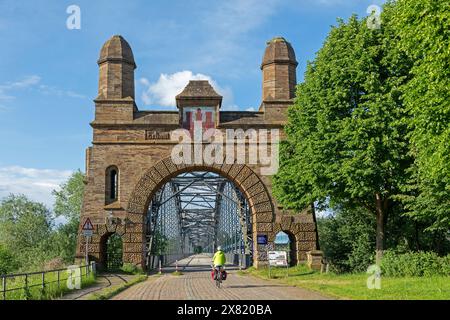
[{"x": 48, "y": 73}]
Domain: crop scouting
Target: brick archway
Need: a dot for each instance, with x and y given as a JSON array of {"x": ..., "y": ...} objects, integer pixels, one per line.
[{"x": 242, "y": 176}]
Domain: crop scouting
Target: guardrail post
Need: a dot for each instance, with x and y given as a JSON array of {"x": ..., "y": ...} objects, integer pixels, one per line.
[
  {"x": 4, "y": 287},
  {"x": 26, "y": 287},
  {"x": 58, "y": 280},
  {"x": 43, "y": 282},
  {"x": 93, "y": 267}
]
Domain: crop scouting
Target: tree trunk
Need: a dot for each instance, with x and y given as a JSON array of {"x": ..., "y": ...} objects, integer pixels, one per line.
[
  {"x": 417, "y": 236},
  {"x": 380, "y": 228}
]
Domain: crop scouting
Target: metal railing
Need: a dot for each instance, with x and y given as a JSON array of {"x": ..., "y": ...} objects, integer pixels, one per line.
[
  {"x": 22, "y": 283},
  {"x": 165, "y": 259}
]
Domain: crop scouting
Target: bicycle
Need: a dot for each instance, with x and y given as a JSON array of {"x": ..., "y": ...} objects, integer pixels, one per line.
[{"x": 218, "y": 275}]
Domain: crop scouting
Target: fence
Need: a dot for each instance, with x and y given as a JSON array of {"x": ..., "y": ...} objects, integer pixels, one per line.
[
  {"x": 165, "y": 259},
  {"x": 36, "y": 285},
  {"x": 242, "y": 260}
]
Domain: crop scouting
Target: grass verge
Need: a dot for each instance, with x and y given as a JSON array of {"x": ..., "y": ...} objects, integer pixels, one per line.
[
  {"x": 32, "y": 289},
  {"x": 109, "y": 292},
  {"x": 354, "y": 286}
]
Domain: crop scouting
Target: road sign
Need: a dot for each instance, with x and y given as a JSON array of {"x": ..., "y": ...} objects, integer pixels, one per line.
[
  {"x": 278, "y": 258},
  {"x": 88, "y": 233},
  {"x": 262, "y": 239},
  {"x": 88, "y": 230},
  {"x": 87, "y": 225}
]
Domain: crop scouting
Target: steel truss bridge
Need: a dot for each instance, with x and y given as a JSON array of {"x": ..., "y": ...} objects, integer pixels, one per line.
[{"x": 197, "y": 211}]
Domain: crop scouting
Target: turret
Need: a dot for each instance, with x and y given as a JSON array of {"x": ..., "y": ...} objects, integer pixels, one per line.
[
  {"x": 115, "y": 100},
  {"x": 279, "y": 78},
  {"x": 117, "y": 66}
]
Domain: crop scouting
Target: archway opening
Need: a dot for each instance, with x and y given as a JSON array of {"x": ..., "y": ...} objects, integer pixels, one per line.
[
  {"x": 195, "y": 212},
  {"x": 112, "y": 252},
  {"x": 285, "y": 241}
]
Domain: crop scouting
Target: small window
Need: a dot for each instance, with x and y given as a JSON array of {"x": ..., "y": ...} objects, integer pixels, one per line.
[
  {"x": 113, "y": 177},
  {"x": 112, "y": 184}
]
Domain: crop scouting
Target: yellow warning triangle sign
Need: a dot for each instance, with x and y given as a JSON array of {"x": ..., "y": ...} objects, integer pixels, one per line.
[{"x": 88, "y": 225}]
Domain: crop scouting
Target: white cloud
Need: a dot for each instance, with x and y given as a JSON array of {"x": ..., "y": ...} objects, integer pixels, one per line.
[
  {"x": 37, "y": 184},
  {"x": 25, "y": 82},
  {"x": 22, "y": 84},
  {"x": 250, "y": 109},
  {"x": 49, "y": 90},
  {"x": 163, "y": 91},
  {"x": 28, "y": 82}
]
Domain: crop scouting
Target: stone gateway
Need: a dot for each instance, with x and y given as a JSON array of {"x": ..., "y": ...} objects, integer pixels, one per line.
[{"x": 130, "y": 157}]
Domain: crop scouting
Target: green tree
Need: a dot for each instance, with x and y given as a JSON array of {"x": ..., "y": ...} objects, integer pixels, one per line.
[
  {"x": 8, "y": 263},
  {"x": 347, "y": 239},
  {"x": 160, "y": 243},
  {"x": 346, "y": 138},
  {"x": 25, "y": 230},
  {"x": 68, "y": 202},
  {"x": 422, "y": 29},
  {"x": 69, "y": 199}
]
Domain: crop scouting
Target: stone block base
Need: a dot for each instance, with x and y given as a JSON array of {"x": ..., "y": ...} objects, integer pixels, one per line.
[{"x": 314, "y": 259}]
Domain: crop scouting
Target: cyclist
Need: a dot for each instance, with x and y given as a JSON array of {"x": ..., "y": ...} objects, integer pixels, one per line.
[{"x": 219, "y": 260}]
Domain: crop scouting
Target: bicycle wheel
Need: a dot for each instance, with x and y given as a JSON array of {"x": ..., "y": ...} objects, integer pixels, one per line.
[{"x": 219, "y": 278}]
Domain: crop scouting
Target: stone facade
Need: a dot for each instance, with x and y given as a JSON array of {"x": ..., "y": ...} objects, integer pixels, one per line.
[{"x": 137, "y": 144}]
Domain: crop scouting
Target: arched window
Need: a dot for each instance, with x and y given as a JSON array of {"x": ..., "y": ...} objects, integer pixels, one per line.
[{"x": 112, "y": 184}]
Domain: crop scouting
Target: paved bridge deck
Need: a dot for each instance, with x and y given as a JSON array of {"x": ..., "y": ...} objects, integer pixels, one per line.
[{"x": 195, "y": 284}]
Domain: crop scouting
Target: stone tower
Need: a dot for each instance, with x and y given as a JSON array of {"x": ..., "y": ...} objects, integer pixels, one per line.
[
  {"x": 117, "y": 66},
  {"x": 279, "y": 78},
  {"x": 115, "y": 100}
]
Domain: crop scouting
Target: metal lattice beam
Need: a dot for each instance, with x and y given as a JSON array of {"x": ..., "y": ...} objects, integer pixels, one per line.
[{"x": 198, "y": 209}]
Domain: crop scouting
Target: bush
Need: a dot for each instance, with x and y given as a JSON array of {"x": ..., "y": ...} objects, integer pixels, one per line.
[
  {"x": 54, "y": 264},
  {"x": 7, "y": 262},
  {"x": 130, "y": 268},
  {"x": 348, "y": 239},
  {"x": 414, "y": 264}
]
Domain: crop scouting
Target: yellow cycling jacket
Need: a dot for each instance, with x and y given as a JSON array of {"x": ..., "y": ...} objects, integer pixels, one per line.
[{"x": 219, "y": 258}]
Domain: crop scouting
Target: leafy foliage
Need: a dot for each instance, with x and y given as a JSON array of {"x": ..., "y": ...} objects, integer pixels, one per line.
[
  {"x": 68, "y": 202},
  {"x": 415, "y": 264},
  {"x": 348, "y": 240},
  {"x": 29, "y": 240},
  {"x": 69, "y": 198},
  {"x": 130, "y": 268},
  {"x": 160, "y": 243},
  {"x": 423, "y": 36},
  {"x": 7, "y": 261},
  {"x": 345, "y": 138},
  {"x": 370, "y": 132},
  {"x": 114, "y": 252},
  {"x": 25, "y": 231}
]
